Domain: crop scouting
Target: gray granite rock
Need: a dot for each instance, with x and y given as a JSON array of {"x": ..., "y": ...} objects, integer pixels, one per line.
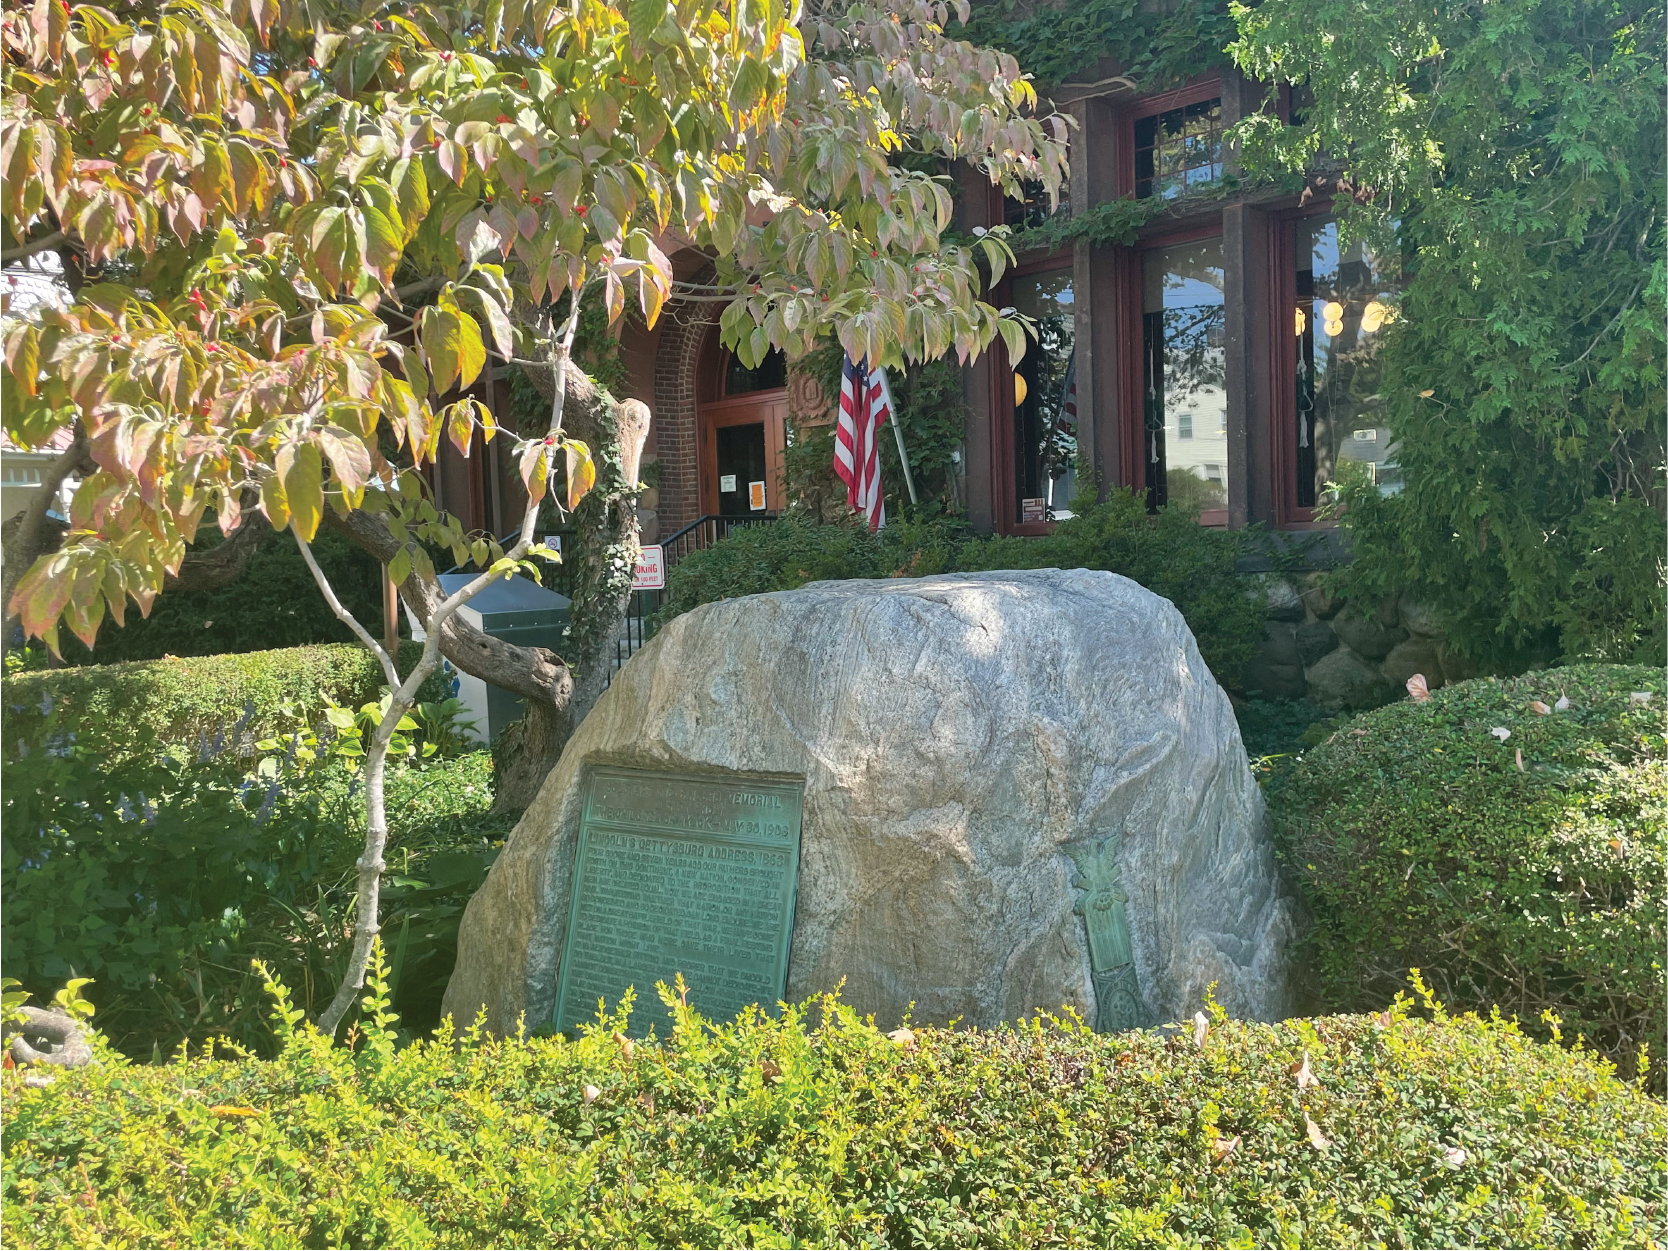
[
  {"x": 1419, "y": 619},
  {"x": 1314, "y": 639},
  {"x": 962, "y": 739},
  {"x": 1275, "y": 668},
  {"x": 1284, "y": 603},
  {"x": 1343, "y": 681},
  {"x": 1416, "y": 655},
  {"x": 1368, "y": 635}
]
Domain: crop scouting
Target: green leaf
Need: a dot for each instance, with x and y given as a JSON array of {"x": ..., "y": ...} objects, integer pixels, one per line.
[{"x": 304, "y": 487}]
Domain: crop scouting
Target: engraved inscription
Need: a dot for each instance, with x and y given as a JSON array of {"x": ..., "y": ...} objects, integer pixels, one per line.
[{"x": 681, "y": 874}]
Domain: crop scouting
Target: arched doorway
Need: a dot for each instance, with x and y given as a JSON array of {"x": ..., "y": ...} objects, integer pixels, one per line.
[{"x": 742, "y": 417}]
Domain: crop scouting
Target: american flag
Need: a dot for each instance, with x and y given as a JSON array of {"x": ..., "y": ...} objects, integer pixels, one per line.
[{"x": 864, "y": 408}]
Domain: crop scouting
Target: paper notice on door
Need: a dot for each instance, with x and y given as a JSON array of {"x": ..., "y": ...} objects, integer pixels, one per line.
[
  {"x": 1033, "y": 510},
  {"x": 756, "y": 496},
  {"x": 727, "y": 482}
]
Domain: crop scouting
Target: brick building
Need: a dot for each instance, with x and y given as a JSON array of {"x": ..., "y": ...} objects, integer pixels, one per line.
[{"x": 1227, "y": 356}]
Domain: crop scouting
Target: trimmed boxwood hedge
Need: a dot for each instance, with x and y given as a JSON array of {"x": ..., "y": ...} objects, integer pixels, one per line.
[
  {"x": 815, "y": 1129},
  {"x": 1517, "y": 857},
  {"x": 133, "y": 706}
]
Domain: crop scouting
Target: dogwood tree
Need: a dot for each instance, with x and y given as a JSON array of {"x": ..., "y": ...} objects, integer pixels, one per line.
[{"x": 295, "y": 231}]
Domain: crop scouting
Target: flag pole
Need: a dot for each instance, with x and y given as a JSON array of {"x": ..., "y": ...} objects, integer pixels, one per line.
[{"x": 897, "y": 430}]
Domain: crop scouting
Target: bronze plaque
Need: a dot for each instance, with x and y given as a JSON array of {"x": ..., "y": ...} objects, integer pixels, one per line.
[{"x": 681, "y": 873}]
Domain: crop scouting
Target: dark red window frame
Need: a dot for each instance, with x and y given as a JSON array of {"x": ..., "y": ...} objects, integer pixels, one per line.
[
  {"x": 1131, "y": 397},
  {"x": 1149, "y": 107},
  {"x": 1282, "y": 368},
  {"x": 1002, "y": 476}
]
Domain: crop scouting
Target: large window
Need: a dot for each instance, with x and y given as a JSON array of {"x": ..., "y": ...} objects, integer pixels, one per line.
[
  {"x": 1045, "y": 400},
  {"x": 1179, "y": 150},
  {"x": 1183, "y": 383},
  {"x": 1344, "y": 300}
]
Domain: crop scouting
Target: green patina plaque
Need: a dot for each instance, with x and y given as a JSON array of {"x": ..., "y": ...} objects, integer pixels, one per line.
[{"x": 691, "y": 873}]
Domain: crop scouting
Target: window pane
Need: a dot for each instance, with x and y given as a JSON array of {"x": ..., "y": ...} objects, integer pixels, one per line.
[
  {"x": 1045, "y": 419},
  {"x": 771, "y": 373},
  {"x": 1178, "y": 150},
  {"x": 1186, "y": 400},
  {"x": 1344, "y": 300}
]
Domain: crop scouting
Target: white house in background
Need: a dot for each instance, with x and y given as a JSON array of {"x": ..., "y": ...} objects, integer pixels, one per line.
[
  {"x": 26, "y": 286},
  {"x": 20, "y": 476}
]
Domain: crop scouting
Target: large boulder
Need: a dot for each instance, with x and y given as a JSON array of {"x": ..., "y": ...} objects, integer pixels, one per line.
[{"x": 972, "y": 746}]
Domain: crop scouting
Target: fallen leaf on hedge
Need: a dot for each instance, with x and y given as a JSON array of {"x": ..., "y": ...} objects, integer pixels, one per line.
[
  {"x": 1304, "y": 1074},
  {"x": 1201, "y": 1027},
  {"x": 38, "y": 1081},
  {"x": 1616, "y": 845},
  {"x": 1639, "y": 697},
  {"x": 592, "y": 1094},
  {"x": 1453, "y": 1157},
  {"x": 769, "y": 1069},
  {"x": 1382, "y": 1019},
  {"x": 905, "y": 1038},
  {"x": 1225, "y": 1147},
  {"x": 1418, "y": 688},
  {"x": 647, "y": 1100},
  {"x": 627, "y": 1047},
  {"x": 233, "y": 1109},
  {"x": 1425, "y": 395},
  {"x": 1501, "y": 732},
  {"x": 1359, "y": 733},
  {"x": 1127, "y": 1057},
  {"x": 1520, "y": 767},
  {"x": 1563, "y": 704},
  {"x": 1318, "y": 1140},
  {"x": 1539, "y": 709}
]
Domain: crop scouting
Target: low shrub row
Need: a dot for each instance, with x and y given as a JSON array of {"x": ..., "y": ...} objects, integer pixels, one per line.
[
  {"x": 1192, "y": 566},
  {"x": 1508, "y": 838},
  {"x": 236, "y": 700},
  {"x": 1407, "y": 1128}
]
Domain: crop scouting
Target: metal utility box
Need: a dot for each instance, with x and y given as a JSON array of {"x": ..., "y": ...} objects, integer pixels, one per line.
[{"x": 517, "y": 610}]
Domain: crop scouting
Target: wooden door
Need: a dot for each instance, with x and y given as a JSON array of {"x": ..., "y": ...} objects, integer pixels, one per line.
[{"x": 742, "y": 435}]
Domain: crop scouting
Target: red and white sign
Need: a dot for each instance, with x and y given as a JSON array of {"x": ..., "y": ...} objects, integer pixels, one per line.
[{"x": 651, "y": 569}]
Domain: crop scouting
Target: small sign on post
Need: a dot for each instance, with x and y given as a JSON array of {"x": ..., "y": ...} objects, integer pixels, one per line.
[{"x": 651, "y": 569}]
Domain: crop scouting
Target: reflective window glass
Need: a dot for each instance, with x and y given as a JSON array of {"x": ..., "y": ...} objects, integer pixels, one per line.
[
  {"x": 1178, "y": 150},
  {"x": 1045, "y": 399},
  {"x": 1186, "y": 399},
  {"x": 1344, "y": 301}
]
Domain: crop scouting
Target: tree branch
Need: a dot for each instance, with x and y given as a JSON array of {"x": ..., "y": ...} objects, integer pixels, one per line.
[
  {"x": 25, "y": 250},
  {"x": 223, "y": 565}
]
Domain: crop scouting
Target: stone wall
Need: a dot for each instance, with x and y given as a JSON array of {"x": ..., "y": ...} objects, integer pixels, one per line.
[{"x": 1346, "y": 655}]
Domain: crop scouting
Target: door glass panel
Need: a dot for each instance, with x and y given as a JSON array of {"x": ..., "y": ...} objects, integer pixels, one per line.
[
  {"x": 1344, "y": 300},
  {"x": 1186, "y": 398},
  {"x": 740, "y": 453},
  {"x": 1045, "y": 400}
]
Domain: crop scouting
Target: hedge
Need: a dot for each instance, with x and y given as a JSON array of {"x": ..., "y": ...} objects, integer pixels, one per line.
[
  {"x": 1507, "y": 837},
  {"x": 187, "y": 700},
  {"x": 815, "y": 1129},
  {"x": 1195, "y": 567}
]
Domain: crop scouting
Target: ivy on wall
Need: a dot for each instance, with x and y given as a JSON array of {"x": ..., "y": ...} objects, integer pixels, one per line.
[{"x": 1156, "y": 49}]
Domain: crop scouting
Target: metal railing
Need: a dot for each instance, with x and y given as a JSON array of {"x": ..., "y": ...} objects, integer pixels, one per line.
[
  {"x": 698, "y": 535},
  {"x": 638, "y": 628}
]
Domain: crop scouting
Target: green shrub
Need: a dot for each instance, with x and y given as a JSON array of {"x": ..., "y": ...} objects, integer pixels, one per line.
[
  {"x": 274, "y": 602},
  {"x": 135, "y": 706},
  {"x": 160, "y": 872},
  {"x": 814, "y": 1129},
  {"x": 1419, "y": 841},
  {"x": 1171, "y": 554}
]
